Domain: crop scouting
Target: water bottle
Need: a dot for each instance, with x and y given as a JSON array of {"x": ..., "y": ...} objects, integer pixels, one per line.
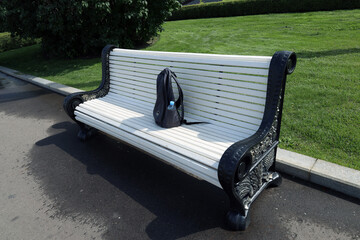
[{"x": 171, "y": 106}]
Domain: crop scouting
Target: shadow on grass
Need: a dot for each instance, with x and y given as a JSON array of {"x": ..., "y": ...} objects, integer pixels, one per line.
[
  {"x": 335, "y": 52},
  {"x": 86, "y": 85},
  {"x": 30, "y": 60}
]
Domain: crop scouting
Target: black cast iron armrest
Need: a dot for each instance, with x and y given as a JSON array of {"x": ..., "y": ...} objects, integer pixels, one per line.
[
  {"x": 73, "y": 100},
  {"x": 248, "y": 166}
]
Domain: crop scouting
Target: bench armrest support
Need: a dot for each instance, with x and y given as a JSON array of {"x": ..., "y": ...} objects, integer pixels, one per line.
[
  {"x": 248, "y": 166},
  {"x": 73, "y": 100}
]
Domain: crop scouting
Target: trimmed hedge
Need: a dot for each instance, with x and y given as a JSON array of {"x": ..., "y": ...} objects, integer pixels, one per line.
[{"x": 252, "y": 7}]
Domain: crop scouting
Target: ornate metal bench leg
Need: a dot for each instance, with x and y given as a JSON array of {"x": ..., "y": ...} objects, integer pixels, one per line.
[
  {"x": 246, "y": 191},
  {"x": 237, "y": 220},
  {"x": 86, "y": 132},
  {"x": 253, "y": 173},
  {"x": 276, "y": 180}
]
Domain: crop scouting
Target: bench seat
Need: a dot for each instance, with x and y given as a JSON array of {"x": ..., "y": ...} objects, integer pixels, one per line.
[
  {"x": 202, "y": 143},
  {"x": 239, "y": 98}
]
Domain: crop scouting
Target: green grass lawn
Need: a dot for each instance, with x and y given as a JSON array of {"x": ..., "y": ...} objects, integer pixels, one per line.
[{"x": 321, "y": 115}]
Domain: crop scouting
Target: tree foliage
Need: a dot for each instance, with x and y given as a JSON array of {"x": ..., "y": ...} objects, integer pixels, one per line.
[{"x": 77, "y": 28}]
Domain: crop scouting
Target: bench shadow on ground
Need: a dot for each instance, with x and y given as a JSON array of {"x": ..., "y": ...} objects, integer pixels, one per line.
[
  {"x": 176, "y": 199},
  {"x": 137, "y": 195}
]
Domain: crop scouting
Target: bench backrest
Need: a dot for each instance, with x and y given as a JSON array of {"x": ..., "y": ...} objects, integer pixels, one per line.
[{"x": 226, "y": 90}]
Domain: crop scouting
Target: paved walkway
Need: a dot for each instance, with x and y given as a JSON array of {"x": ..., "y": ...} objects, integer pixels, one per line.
[{"x": 52, "y": 186}]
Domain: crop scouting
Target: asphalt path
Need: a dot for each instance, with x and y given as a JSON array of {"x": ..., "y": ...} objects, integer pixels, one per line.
[{"x": 53, "y": 186}]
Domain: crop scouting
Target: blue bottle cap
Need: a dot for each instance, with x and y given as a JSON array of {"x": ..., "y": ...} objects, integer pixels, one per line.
[{"x": 172, "y": 103}]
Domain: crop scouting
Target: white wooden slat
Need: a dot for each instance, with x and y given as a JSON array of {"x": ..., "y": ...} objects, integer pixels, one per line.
[
  {"x": 180, "y": 72},
  {"x": 207, "y": 107},
  {"x": 224, "y": 107},
  {"x": 210, "y": 161},
  {"x": 174, "y": 135},
  {"x": 121, "y": 88},
  {"x": 219, "y": 111},
  {"x": 200, "y": 115},
  {"x": 218, "y": 129},
  {"x": 215, "y": 130},
  {"x": 144, "y": 117},
  {"x": 188, "y": 165},
  {"x": 217, "y": 86},
  {"x": 188, "y": 111},
  {"x": 245, "y": 127},
  {"x": 211, "y": 92},
  {"x": 258, "y": 109},
  {"x": 233, "y": 83},
  {"x": 156, "y": 135},
  {"x": 222, "y": 75},
  {"x": 212, "y": 105},
  {"x": 258, "y": 83},
  {"x": 188, "y": 77},
  {"x": 207, "y": 67},
  {"x": 190, "y": 91},
  {"x": 203, "y": 129},
  {"x": 222, "y": 127},
  {"x": 231, "y": 102},
  {"x": 237, "y": 60}
]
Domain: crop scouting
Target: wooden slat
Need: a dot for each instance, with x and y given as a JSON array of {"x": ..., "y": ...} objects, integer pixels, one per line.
[
  {"x": 201, "y": 156},
  {"x": 151, "y": 99},
  {"x": 231, "y": 60},
  {"x": 188, "y": 92},
  {"x": 215, "y": 130},
  {"x": 223, "y": 75},
  {"x": 143, "y": 86},
  {"x": 143, "y": 107},
  {"x": 194, "y": 65},
  {"x": 169, "y": 136},
  {"x": 181, "y": 134},
  {"x": 255, "y": 108},
  {"x": 208, "y": 80},
  {"x": 187, "y": 164},
  {"x": 231, "y": 102},
  {"x": 202, "y": 116},
  {"x": 210, "y": 108},
  {"x": 199, "y": 115},
  {"x": 208, "y": 85},
  {"x": 240, "y": 97}
]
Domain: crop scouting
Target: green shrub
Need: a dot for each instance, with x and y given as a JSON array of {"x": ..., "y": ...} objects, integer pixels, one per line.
[
  {"x": 251, "y": 7},
  {"x": 2, "y": 17},
  {"x": 8, "y": 42},
  {"x": 77, "y": 28}
]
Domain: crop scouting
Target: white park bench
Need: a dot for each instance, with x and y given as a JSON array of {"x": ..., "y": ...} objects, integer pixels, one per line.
[{"x": 240, "y": 98}]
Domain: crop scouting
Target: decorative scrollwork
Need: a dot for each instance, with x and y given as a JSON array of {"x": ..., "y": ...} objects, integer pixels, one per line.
[{"x": 259, "y": 175}]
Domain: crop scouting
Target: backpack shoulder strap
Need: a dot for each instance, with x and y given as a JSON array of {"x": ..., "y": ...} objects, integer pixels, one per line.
[{"x": 179, "y": 102}]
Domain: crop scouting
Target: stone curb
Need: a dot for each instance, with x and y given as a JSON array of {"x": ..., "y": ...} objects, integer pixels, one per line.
[
  {"x": 330, "y": 175},
  {"x": 41, "y": 82}
]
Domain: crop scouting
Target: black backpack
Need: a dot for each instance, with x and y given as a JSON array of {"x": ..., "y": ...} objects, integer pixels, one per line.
[{"x": 168, "y": 112}]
